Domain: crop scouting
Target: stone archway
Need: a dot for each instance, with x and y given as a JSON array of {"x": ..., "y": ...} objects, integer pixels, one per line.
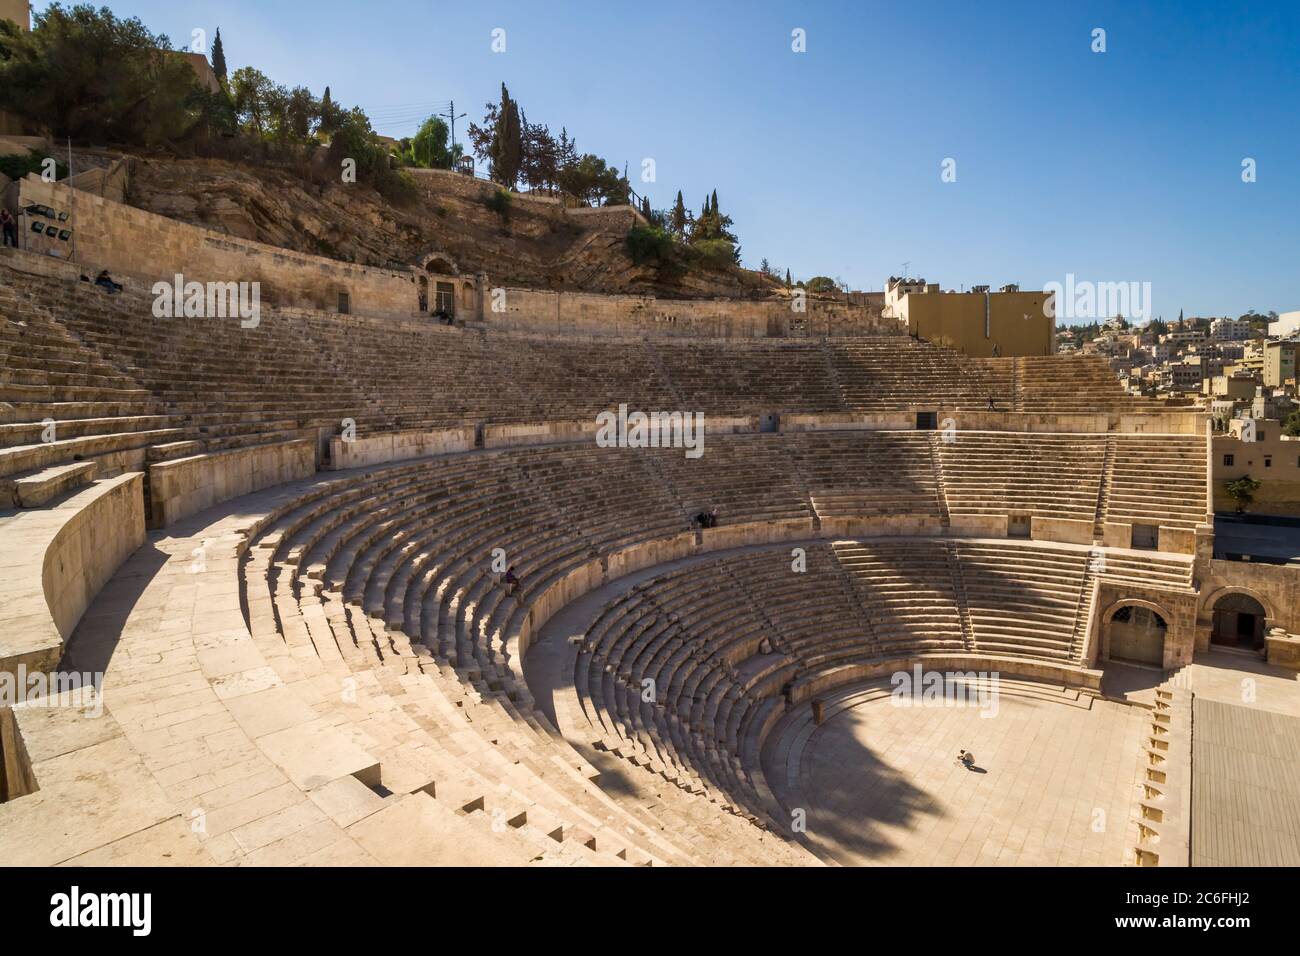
[
  {"x": 1135, "y": 632},
  {"x": 439, "y": 263},
  {"x": 1238, "y": 622},
  {"x": 1209, "y": 601}
]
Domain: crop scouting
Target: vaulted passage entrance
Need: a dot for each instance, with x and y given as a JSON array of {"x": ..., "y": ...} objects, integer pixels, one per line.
[
  {"x": 1137, "y": 636},
  {"x": 1238, "y": 622}
]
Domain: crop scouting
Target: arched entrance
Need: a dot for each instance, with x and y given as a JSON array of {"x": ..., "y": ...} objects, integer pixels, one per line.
[
  {"x": 1238, "y": 622},
  {"x": 1137, "y": 635}
]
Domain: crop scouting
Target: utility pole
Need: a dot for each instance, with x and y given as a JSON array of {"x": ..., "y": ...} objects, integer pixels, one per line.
[{"x": 451, "y": 115}]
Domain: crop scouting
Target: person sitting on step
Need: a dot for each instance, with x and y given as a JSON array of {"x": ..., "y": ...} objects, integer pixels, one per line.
[
  {"x": 511, "y": 580},
  {"x": 105, "y": 282}
]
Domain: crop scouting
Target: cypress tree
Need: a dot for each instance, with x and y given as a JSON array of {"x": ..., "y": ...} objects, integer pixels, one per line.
[
  {"x": 219, "y": 58},
  {"x": 679, "y": 215}
]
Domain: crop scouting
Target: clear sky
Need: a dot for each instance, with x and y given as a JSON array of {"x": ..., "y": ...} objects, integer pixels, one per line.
[{"x": 1121, "y": 166}]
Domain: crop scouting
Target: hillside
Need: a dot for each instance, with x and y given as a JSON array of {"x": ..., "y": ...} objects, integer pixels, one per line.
[{"x": 537, "y": 243}]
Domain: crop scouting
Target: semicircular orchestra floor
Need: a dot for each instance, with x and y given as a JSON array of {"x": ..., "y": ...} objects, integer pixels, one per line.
[{"x": 878, "y": 781}]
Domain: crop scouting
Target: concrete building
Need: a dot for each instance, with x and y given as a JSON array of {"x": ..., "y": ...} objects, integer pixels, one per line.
[
  {"x": 1230, "y": 330},
  {"x": 1238, "y": 387},
  {"x": 1274, "y": 362},
  {"x": 1271, "y": 458},
  {"x": 1287, "y": 326},
  {"x": 980, "y": 322}
]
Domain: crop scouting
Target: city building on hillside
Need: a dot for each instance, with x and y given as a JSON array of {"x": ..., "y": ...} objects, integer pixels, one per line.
[
  {"x": 1287, "y": 326},
  {"x": 1274, "y": 362},
  {"x": 1230, "y": 330},
  {"x": 979, "y": 322},
  {"x": 1183, "y": 376},
  {"x": 1183, "y": 336},
  {"x": 1272, "y": 404},
  {"x": 1238, "y": 387}
]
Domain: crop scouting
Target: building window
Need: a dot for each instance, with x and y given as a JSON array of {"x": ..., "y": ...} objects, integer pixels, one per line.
[
  {"x": 1227, "y": 461},
  {"x": 345, "y": 305},
  {"x": 1268, "y": 461}
]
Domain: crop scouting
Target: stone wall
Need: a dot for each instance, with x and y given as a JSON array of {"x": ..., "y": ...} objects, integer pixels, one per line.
[
  {"x": 398, "y": 446},
  {"x": 56, "y": 559},
  {"x": 582, "y": 312},
  {"x": 185, "y": 486},
  {"x": 137, "y": 245}
]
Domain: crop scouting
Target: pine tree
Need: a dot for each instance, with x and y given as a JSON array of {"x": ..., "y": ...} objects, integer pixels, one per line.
[
  {"x": 715, "y": 202},
  {"x": 787, "y": 278},
  {"x": 219, "y": 58}
]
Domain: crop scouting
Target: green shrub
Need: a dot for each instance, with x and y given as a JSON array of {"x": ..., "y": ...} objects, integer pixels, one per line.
[
  {"x": 715, "y": 253},
  {"x": 16, "y": 167},
  {"x": 648, "y": 244},
  {"x": 499, "y": 202}
]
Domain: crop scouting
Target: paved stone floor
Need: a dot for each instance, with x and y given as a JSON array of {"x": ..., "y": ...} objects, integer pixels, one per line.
[{"x": 1057, "y": 786}]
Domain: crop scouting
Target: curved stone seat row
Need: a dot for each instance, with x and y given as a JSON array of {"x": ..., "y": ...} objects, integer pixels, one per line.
[
  {"x": 402, "y": 547},
  {"x": 126, "y": 387}
]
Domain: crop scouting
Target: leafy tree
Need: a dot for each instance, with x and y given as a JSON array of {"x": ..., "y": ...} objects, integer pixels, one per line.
[
  {"x": 820, "y": 284},
  {"x": 539, "y": 155},
  {"x": 253, "y": 93},
  {"x": 301, "y": 113},
  {"x": 428, "y": 148},
  {"x": 87, "y": 75},
  {"x": 355, "y": 140},
  {"x": 1291, "y": 425},
  {"x": 1242, "y": 491}
]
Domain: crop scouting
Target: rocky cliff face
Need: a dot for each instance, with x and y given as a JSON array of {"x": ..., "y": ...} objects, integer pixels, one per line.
[{"x": 535, "y": 244}]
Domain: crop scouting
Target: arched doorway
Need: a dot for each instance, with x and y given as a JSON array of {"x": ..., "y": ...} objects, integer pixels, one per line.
[
  {"x": 1137, "y": 635},
  {"x": 1238, "y": 622}
]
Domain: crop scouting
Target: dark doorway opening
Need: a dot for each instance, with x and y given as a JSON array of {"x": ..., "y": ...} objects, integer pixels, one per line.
[{"x": 1239, "y": 623}]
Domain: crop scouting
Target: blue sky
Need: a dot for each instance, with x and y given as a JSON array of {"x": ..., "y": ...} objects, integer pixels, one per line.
[{"x": 1115, "y": 166}]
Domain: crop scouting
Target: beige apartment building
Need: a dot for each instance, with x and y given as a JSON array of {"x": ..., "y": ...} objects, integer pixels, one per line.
[
  {"x": 979, "y": 322},
  {"x": 1238, "y": 387},
  {"x": 1274, "y": 362},
  {"x": 1271, "y": 458}
]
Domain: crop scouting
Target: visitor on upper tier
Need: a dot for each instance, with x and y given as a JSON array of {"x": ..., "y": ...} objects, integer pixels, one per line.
[
  {"x": 511, "y": 579},
  {"x": 105, "y": 282},
  {"x": 706, "y": 519},
  {"x": 992, "y": 407},
  {"x": 10, "y": 228}
]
